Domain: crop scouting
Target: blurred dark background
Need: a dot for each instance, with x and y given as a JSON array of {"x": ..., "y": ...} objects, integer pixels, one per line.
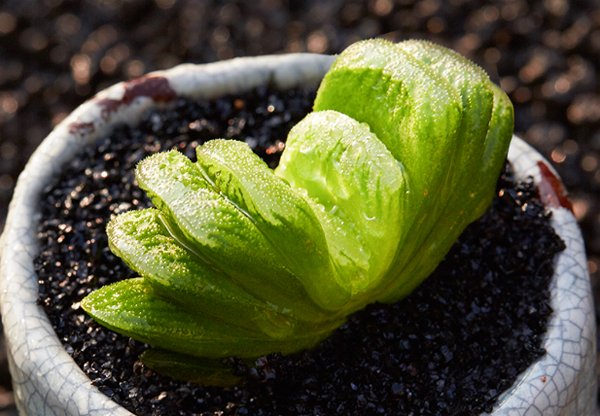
[{"x": 55, "y": 54}]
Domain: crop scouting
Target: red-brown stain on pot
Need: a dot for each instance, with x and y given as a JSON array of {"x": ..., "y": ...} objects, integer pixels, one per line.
[
  {"x": 157, "y": 88},
  {"x": 551, "y": 190},
  {"x": 81, "y": 128}
]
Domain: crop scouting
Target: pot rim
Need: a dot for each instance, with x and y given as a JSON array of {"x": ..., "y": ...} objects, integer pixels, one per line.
[{"x": 45, "y": 377}]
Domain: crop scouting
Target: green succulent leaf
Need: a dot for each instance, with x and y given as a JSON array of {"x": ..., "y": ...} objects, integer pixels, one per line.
[
  {"x": 212, "y": 372},
  {"x": 402, "y": 152},
  {"x": 133, "y": 308},
  {"x": 485, "y": 133},
  {"x": 355, "y": 187}
]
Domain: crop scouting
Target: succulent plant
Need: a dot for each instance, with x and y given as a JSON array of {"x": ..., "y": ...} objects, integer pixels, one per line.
[{"x": 401, "y": 153}]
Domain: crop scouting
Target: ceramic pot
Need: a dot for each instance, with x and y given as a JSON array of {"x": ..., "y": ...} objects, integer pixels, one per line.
[{"x": 48, "y": 382}]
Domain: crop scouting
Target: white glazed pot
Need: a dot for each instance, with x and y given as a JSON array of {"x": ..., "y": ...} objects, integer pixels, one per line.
[{"x": 48, "y": 382}]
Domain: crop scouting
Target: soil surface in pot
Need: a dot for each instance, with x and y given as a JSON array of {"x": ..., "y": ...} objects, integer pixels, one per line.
[{"x": 451, "y": 347}]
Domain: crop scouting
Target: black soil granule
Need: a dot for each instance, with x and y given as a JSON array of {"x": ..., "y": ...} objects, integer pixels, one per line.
[{"x": 450, "y": 348}]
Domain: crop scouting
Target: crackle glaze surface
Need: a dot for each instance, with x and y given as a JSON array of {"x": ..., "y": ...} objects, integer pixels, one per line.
[{"x": 46, "y": 380}]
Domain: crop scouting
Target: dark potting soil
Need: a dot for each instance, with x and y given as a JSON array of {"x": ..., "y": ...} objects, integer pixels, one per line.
[{"x": 450, "y": 348}]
